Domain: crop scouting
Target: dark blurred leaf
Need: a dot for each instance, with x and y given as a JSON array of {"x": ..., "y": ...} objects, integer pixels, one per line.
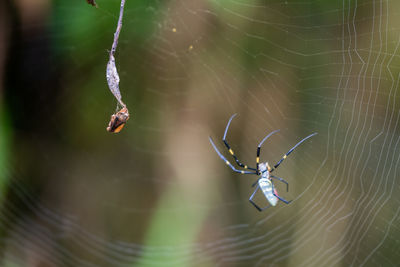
[{"x": 92, "y": 2}]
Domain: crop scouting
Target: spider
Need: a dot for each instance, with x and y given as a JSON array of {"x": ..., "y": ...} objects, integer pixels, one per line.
[{"x": 264, "y": 182}]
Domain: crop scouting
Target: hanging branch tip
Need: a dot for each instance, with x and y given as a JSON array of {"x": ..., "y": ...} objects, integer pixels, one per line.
[{"x": 119, "y": 119}]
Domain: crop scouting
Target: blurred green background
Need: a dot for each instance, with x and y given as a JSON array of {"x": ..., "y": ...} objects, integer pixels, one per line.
[{"x": 157, "y": 194}]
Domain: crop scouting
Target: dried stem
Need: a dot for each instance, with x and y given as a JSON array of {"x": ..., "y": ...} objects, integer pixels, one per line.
[
  {"x": 112, "y": 73},
  {"x": 118, "y": 30}
]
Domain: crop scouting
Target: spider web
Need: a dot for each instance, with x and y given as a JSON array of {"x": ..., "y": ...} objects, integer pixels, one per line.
[{"x": 157, "y": 194}]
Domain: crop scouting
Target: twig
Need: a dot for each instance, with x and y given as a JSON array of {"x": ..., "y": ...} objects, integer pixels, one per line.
[
  {"x": 118, "y": 120},
  {"x": 118, "y": 30},
  {"x": 112, "y": 73}
]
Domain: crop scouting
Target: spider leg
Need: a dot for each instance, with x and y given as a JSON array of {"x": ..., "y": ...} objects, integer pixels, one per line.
[
  {"x": 227, "y": 162},
  {"x": 254, "y": 204},
  {"x": 230, "y": 149},
  {"x": 290, "y": 151},
  {"x": 282, "y": 180},
  {"x": 256, "y": 182},
  {"x": 281, "y": 198},
  {"x": 259, "y": 149}
]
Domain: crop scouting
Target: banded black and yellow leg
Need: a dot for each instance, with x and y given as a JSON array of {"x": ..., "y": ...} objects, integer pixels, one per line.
[
  {"x": 236, "y": 159},
  {"x": 290, "y": 151},
  {"x": 227, "y": 162},
  {"x": 259, "y": 149},
  {"x": 230, "y": 149}
]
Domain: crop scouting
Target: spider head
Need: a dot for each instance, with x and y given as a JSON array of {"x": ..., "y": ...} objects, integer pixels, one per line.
[{"x": 263, "y": 166}]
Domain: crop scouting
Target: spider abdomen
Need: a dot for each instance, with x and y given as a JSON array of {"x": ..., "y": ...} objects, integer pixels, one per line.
[{"x": 268, "y": 188}]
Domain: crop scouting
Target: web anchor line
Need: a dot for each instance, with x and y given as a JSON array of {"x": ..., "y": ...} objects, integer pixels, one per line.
[{"x": 118, "y": 120}]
